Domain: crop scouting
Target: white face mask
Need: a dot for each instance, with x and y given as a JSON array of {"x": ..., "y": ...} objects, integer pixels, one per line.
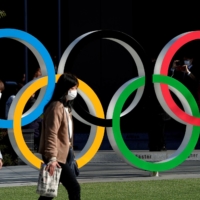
[
  {"x": 71, "y": 94},
  {"x": 0, "y": 95},
  {"x": 187, "y": 62}
]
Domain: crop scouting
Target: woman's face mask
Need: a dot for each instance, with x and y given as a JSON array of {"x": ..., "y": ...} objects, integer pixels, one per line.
[{"x": 71, "y": 94}]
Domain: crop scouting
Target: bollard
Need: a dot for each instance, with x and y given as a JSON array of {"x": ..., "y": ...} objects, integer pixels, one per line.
[{"x": 154, "y": 174}]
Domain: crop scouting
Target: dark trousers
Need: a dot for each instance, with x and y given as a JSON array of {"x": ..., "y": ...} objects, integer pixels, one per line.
[{"x": 69, "y": 181}]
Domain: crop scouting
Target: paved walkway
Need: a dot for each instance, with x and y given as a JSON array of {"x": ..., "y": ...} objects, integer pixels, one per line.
[{"x": 99, "y": 172}]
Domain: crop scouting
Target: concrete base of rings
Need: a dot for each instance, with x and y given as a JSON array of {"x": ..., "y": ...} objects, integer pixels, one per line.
[{"x": 153, "y": 156}]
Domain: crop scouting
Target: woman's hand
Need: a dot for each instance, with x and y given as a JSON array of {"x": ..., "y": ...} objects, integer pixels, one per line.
[{"x": 51, "y": 167}]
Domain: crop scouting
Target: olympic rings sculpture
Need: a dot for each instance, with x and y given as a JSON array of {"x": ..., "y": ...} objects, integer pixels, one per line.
[{"x": 96, "y": 117}]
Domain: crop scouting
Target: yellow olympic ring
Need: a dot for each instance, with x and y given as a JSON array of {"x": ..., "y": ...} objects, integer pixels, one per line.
[{"x": 17, "y": 131}]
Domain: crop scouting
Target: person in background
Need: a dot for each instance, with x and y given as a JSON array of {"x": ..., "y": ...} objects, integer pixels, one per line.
[
  {"x": 36, "y": 125},
  {"x": 37, "y": 73},
  {"x": 11, "y": 98},
  {"x": 185, "y": 71}
]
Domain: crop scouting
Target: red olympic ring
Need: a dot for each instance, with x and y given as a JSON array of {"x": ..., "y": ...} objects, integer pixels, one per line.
[{"x": 178, "y": 42}]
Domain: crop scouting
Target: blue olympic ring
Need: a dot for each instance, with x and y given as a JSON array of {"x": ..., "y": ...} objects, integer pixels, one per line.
[{"x": 47, "y": 68}]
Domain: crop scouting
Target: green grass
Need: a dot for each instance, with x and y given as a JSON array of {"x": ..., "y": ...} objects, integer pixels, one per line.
[{"x": 136, "y": 190}]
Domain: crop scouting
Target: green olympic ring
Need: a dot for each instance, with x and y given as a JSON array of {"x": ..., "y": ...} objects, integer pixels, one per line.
[{"x": 186, "y": 147}]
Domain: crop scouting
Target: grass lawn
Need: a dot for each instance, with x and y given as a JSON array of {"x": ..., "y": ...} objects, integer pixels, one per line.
[{"x": 136, "y": 190}]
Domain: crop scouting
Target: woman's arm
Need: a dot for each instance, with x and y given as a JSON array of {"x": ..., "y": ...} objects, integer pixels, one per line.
[{"x": 52, "y": 124}]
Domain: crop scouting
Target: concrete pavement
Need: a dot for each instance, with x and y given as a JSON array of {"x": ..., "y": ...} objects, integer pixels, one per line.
[{"x": 99, "y": 170}]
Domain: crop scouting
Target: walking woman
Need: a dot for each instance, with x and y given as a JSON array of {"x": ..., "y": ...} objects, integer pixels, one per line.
[{"x": 57, "y": 134}]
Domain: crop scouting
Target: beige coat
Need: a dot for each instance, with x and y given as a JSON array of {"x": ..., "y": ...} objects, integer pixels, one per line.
[{"x": 54, "y": 141}]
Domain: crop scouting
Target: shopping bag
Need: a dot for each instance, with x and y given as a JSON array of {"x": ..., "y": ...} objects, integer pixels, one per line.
[{"x": 48, "y": 185}]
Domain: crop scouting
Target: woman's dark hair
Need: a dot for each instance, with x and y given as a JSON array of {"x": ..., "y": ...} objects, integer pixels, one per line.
[{"x": 65, "y": 82}]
